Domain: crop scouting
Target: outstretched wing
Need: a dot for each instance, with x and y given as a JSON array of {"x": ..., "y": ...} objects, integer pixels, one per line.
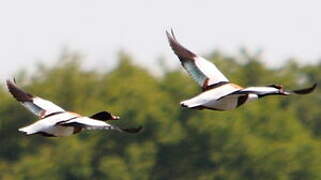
[
  {"x": 36, "y": 105},
  {"x": 92, "y": 124},
  {"x": 304, "y": 91},
  {"x": 201, "y": 70},
  {"x": 272, "y": 90}
]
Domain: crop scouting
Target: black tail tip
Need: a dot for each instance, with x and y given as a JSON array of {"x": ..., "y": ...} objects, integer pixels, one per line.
[{"x": 133, "y": 130}]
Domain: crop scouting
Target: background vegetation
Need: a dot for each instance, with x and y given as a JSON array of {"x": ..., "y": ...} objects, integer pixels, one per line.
[{"x": 273, "y": 138}]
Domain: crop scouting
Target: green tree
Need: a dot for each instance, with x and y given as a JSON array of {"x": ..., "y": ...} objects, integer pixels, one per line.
[{"x": 273, "y": 138}]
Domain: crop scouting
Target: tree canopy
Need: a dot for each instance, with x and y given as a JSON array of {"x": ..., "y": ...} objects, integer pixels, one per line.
[{"x": 272, "y": 138}]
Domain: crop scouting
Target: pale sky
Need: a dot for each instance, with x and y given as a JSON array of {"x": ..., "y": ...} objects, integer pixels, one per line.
[{"x": 37, "y": 30}]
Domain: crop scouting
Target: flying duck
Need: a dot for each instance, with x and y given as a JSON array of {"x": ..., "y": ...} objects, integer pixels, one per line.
[
  {"x": 56, "y": 122},
  {"x": 218, "y": 93}
]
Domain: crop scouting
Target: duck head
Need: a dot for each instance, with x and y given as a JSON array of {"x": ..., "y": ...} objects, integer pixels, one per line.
[{"x": 279, "y": 90}]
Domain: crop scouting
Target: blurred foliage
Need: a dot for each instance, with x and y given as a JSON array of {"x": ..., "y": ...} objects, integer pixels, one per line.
[{"x": 273, "y": 138}]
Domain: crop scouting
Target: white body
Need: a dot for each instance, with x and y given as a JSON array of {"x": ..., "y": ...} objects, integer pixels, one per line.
[
  {"x": 55, "y": 121},
  {"x": 218, "y": 98},
  {"x": 51, "y": 126},
  {"x": 218, "y": 93},
  {"x": 48, "y": 125}
]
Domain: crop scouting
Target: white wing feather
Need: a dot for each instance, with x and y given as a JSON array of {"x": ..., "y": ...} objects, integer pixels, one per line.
[
  {"x": 48, "y": 106},
  {"x": 36, "y": 105},
  {"x": 89, "y": 124},
  {"x": 209, "y": 70},
  {"x": 201, "y": 70}
]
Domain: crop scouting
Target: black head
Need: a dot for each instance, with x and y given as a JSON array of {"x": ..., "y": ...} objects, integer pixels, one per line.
[
  {"x": 273, "y": 89},
  {"x": 280, "y": 89},
  {"x": 104, "y": 115},
  {"x": 277, "y": 86}
]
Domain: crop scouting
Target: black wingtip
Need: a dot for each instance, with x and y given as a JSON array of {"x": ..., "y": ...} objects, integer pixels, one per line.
[
  {"x": 169, "y": 36},
  {"x": 182, "y": 53},
  {"x": 18, "y": 93},
  {"x": 132, "y": 130},
  {"x": 173, "y": 34},
  {"x": 306, "y": 90},
  {"x": 9, "y": 83}
]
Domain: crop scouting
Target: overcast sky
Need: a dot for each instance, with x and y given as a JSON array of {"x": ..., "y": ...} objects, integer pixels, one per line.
[{"x": 37, "y": 30}]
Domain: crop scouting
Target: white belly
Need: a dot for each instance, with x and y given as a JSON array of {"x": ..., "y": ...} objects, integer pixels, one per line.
[
  {"x": 211, "y": 97},
  {"x": 230, "y": 102},
  {"x": 226, "y": 103},
  {"x": 60, "y": 131},
  {"x": 48, "y": 126}
]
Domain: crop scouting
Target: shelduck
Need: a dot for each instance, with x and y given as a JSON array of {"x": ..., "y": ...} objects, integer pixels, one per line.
[
  {"x": 218, "y": 93},
  {"x": 54, "y": 121}
]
